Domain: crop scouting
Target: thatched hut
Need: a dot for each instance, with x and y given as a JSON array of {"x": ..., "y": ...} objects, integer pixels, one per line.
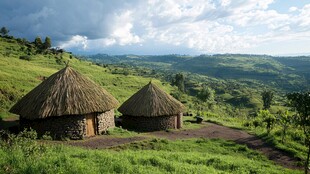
[
  {"x": 67, "y": 104},
  {"x": 152, "y": 109}
]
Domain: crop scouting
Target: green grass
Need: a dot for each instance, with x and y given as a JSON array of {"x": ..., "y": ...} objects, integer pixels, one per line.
[
  {"x": 24, "y": 155},
  {"x": 294, "y": 141},
  {"x": 18, "y": 77},
  {"x": 119, "y": 132}
]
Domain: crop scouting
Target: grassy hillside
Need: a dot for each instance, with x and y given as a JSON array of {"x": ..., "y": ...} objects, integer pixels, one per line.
[
  {"x": 18, "y": 77},
  {"x": 234, "y": 99},
  {"x": 273, "y": 71},
  {"x": 283, "y": 73},
  {"x": 24, "y": 155}
]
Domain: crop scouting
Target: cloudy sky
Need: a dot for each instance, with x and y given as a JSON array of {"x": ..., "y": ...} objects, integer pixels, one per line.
[{"x": 276, "y": 27}]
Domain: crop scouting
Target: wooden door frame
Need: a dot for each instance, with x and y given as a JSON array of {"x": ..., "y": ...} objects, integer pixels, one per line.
[{"x": 95, "y": 122}]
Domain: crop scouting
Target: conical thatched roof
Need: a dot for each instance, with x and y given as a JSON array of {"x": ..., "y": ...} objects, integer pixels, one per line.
[
  {"x": 151, "y": 101},
  {"x": 66, "y": 92}
]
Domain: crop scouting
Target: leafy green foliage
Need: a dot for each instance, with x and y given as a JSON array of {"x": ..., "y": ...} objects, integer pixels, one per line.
[
  {"x": 179, "y": 82},
  {"x": 267, "y": 97},
  {"x": 301, "y": 103},
  {"x": 4, "y": 31},
  {"x": 285, "y": 119},
  {"x": 47, "y": 43},
  {"x": 206, "y": 94},
  {"x": 38, "y": 42},
  {"x": 267, "y": 118}
]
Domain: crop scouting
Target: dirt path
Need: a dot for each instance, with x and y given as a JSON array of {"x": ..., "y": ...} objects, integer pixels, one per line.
[
  {"x": 241, "y": 137},
  {"x": 210, "y": 130}
]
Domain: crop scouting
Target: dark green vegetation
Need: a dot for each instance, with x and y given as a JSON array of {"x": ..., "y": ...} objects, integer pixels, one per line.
[
  {"x": 238, "y": 80},
  {"x": 231, "y": 99},
  {"x": 301, "y": 102},
  {"x": 283, "y": 73},
  {"x": 232, "y": 90},
  {"x": 22, "y": 154}
]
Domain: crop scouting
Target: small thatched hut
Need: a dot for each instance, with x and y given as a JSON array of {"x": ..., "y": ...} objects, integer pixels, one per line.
[
  {"x": 67, "y": 104},
  {"x": 152, "y": 109}
]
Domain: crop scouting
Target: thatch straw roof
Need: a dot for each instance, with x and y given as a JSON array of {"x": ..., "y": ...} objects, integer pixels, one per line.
[
  {"x": 151, "y": 101},
  {"x": 66, "y": 92}
]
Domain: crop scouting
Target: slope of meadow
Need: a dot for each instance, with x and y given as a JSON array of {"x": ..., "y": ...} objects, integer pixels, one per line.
[
  {"x": 23, "y": 155},
  {"x": 18, "y": 77}
]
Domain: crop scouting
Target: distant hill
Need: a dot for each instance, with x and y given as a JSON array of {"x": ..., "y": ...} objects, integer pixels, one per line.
[{"x": 285, "y": 73}]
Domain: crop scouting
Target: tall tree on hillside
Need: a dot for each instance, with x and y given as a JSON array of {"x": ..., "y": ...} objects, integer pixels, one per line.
[
  {"x": 301, "y": 103},
  {"x": 4, "y": 31},
  {"x": 285, "y": 119},
  {"x": 179, "y": 82},
  {"x": 47, "y": 43},
  {"x": 267, "y": 118},
  {"x": 38, "y": 42},
  {"x": 267, "y": 97},
  {"x": 206, "y": 94}
]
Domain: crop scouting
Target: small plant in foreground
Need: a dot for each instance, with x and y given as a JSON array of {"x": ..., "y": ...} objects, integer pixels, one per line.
[{"x": 267, "y": 118}]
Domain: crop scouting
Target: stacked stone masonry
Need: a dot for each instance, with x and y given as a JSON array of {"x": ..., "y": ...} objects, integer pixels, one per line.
[
  {"x": 149, "y": 123},
  {"x": 105, "y": 121},
  {"x": 71, "y": 126}
]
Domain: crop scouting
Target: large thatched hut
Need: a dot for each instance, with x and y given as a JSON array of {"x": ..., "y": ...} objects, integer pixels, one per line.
[
  {"x": 67, "y": 104},
  {"x": 152, "y": 109}
]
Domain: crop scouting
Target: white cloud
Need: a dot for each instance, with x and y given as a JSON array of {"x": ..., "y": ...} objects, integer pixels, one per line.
[
  {"x": 122, "y": 29},
  {"x": 304, "y": 17},
  {"x": 201, "y": 25},
  {"x": 76, "y": 41},
  {"x": 293, "y": 9},
  {"x": 225, "y": 2}
]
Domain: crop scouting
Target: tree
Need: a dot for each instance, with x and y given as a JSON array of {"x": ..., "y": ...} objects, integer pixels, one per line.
[
  {"x": 267, "y": 118},
  {"x": 4, "y": 31},
  {"x": 267, "y": 97},
  {"x": 47, "y": 43},
  {"x": 206, "y": 94},
  {"x": 284, "y": 118},
  {"x": 179, "y": 82},
  {"x": 38, "y": 42},
  {"x": 301, "y": 103}
]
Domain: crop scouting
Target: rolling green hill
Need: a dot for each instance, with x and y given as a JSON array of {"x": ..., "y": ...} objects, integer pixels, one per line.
[
  {"x": 18, "y": 77},
  {"x": 237, "y": 79},
  {"x": 22, "y": 67},
  {"x": 284, "y": 73}
]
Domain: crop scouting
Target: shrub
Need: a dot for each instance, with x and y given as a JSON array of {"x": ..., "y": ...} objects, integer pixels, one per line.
[
  {"x": 47, "y": 136},
  {"x": 24, "y": 141},
  {"x": 257, "y": 123},
  {"x": 25, "y": 57}
]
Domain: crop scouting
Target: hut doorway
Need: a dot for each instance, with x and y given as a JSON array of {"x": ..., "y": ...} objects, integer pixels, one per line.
[
  {"x": 179, "y": 121},
  {"x": 90, "y": 125}
]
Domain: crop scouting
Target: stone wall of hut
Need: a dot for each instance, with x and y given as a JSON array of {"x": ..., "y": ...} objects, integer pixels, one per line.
[
  {"x": 149, "y": 123},
  {"x": 72, "y": 127},
  {"x": 105, "y": 121}
]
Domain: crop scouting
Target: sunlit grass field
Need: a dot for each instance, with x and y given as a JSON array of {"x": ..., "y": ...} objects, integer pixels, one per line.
[{"x": 25, "y": 155}]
